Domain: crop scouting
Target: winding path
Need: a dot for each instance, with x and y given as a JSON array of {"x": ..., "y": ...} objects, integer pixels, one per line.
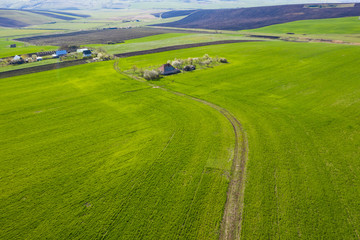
[{"x": 233, "y": 214}]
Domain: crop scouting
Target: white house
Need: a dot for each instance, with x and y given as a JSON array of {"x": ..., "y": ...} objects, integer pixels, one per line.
[
  {"x": 17, "y": 58},
  {"x": 81, "y": 50}
]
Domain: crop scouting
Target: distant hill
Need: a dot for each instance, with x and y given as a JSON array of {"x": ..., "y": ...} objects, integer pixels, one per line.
[
  {"x": 11, "y": 23},
  {"x": 144, "y": 4},
  {"x": 250, "y": 18}
]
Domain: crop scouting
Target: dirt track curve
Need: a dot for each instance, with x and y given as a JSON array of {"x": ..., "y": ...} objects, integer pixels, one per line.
[{"x": 232, "y": 219}]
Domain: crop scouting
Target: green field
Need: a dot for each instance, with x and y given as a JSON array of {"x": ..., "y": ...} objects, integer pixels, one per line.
[
  {"x": 299, "y": 103},
  {"x": 164, "y": 40},
  {"x": 21, "y": 48},
  {"x": 88, "y": 153},
  {"x": 341, "y": 29},
  {"x": 348, "y": 25},
  {"x": 27, "y": 65},
  {"x": 13, "y": 32}
]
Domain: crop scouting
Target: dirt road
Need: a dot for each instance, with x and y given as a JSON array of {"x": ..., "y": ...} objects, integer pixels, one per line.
[{"x": 233, "y": 213}]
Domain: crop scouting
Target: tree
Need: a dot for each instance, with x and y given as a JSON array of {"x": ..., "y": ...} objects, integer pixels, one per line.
[
  {"x": 176, "y": 63},
  {"x": 151, "y": 74}
]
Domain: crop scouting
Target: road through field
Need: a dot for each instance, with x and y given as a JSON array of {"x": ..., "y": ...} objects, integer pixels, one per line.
[{"x": 232, "y": 218}]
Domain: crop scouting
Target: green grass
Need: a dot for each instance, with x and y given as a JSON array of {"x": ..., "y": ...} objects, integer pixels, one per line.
[
  {"x": 87, "y": 153},
  {"x": 27, "y": 65},
  {"x": 163, "y": 40},
  {"x": 299, "y": 104},
  {"x": 13, "y": 33},
  {"x": 21, "y": 48},
  {"x": 348, "y": 25}
]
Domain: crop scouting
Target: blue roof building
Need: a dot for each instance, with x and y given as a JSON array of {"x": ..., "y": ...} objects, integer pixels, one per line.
[{"x": 61, "y": 53}]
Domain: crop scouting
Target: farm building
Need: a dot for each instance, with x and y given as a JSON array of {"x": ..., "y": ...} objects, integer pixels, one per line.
[
  {"x": 80, "y": 50},
  {"x": 59, "y": 53},
  {"x": 87, "y": 53},
  {"x": 168, "y": 69},
  {"x": 17, "y": 58},
  {"x": 13, "y": 46}
]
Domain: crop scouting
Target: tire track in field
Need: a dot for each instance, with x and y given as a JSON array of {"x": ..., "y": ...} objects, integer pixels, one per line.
[{"x": 230, "y": 228}]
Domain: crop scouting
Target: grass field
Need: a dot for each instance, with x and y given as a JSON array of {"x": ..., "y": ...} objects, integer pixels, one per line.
[
  {"x": 27, "y": 65},
  {"x": 343, "y": 29},
  {"x": 21, "y": 48},
  {"x": 163, "y": 40},
  {"x": 299, "y": 104},
  {"x": 88, "y": 153},
  {"x": 12, "y": 33},
  {"x": 348, "y": 25}
]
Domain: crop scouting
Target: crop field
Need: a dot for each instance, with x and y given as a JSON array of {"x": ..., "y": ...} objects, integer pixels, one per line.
[
  {"x": 21, "y": 48},
  {"x": 90, "y": 153},
  {"x": 109, "y": 18},
  {"x": 348, "y": 25},
  {"x": 113, "y": 158},
  {"x": 27, "y": 65},
  {"x": 97, "y": 36},
  {"x": 164, "y": 40},
  {"x": 299, "y": 104},
  {"x": 13, "y": 32}
]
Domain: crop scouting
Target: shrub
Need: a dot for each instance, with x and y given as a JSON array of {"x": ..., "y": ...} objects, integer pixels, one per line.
[
  {"x": 206, "y": 57},
  {"x": 207, "y": 62},
  {"x": 104, "y": 57},
  {"x": 223, "y": 60},
  {"x": 134, "y": 68},
  {"x": 151, "y": 74},
  {"x": 189, "y": 68},
  {"x": 177, "y": 63}
]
